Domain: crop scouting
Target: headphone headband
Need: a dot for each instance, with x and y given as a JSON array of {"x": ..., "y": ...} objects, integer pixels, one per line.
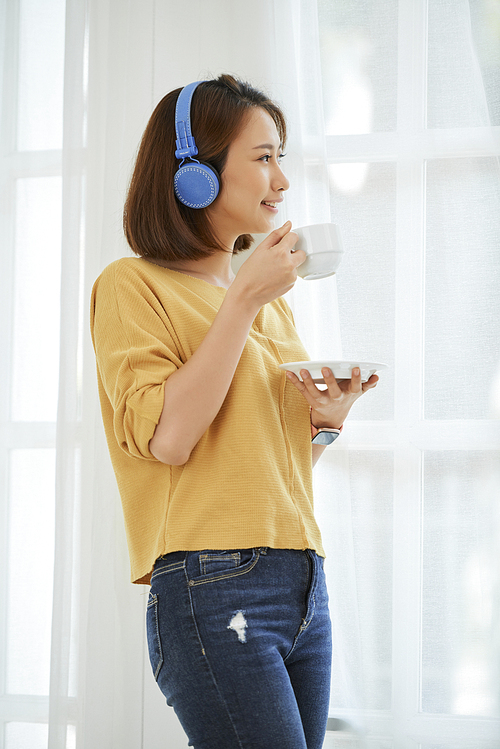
[
  {"x": 185, "y": 145},
  {"x": 195, "y": 184}
]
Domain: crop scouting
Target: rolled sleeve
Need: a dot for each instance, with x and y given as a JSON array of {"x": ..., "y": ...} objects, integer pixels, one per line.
[{"x": 135, "y": 354}]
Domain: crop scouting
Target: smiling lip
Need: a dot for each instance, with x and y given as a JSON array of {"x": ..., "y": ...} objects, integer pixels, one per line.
[{"x": 272, "y": 205}]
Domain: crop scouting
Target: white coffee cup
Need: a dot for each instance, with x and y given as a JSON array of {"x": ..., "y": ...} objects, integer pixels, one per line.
[{"x": 322, "y": 244}]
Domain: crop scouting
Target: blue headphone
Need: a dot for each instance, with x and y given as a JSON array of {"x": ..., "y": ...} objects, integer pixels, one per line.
[{"x": 195, "y": 184}]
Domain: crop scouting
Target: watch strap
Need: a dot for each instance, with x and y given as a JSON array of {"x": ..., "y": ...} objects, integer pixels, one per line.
[{"x": 325, "y": 436}]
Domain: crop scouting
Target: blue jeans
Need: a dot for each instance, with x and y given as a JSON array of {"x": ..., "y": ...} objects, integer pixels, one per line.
[{"x": 240, "y": 645}]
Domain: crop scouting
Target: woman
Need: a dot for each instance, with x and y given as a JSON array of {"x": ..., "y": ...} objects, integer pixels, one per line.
[{"x": 210, "y": 440}]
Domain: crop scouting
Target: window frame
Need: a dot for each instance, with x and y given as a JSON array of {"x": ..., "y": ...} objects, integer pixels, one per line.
[
  {"x": 15, "y": 435},
  {"x": 410, "y": 434}
]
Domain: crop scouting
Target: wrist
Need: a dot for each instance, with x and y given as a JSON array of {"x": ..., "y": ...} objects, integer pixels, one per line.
[
  {"x": 316, "y": 429},
  {"x": 319, "y": 424},
  {"x": 245, "y": 305}
]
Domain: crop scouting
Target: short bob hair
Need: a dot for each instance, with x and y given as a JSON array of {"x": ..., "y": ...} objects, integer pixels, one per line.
[{"x": 156, "y": 224}]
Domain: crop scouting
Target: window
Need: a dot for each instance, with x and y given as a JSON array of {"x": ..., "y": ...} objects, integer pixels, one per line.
[
  {"x": 32, "y": 117},
  {"x": 407, "y": 499}
]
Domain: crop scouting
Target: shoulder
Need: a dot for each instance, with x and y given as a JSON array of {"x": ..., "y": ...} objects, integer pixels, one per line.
[
  {"x": 131, "y": 277},
  {"x": 124, "y": 269},
  {"x": 122, "y": 290}
]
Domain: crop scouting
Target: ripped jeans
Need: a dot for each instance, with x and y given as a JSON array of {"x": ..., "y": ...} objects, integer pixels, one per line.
[{"x": 240, "y": 645}]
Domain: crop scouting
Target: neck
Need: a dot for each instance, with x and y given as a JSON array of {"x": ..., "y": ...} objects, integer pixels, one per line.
[{"x": 215, "y": 269}]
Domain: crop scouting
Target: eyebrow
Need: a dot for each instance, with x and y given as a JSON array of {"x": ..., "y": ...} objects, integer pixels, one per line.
[{"x": 267, "y": 146}]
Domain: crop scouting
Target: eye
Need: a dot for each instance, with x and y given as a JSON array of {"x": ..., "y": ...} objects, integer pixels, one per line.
[{"x": 268, "y": 156}]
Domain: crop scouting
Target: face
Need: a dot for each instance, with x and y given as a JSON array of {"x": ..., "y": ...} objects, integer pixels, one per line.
[{"x": 252, "y": 181}]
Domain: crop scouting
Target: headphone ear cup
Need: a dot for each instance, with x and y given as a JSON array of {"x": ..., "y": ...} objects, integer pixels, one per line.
[{"x": 196, "y": 184}]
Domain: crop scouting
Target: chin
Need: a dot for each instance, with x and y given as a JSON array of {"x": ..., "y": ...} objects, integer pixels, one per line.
[
  {"x": 261, "y": 225},
  {"x": 266, "y": 226}
]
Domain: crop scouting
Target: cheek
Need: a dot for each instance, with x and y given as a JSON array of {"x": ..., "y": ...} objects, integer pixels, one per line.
[
  {"x": 241, "y": 190},
  {"x": 244, "y": 196}
]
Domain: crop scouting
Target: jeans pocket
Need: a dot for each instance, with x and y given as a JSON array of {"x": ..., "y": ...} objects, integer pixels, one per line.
[
  {"x": 218, "y": 561},
  {"x": 153, "y": 635},
  {"x": 211, "y": 566}
]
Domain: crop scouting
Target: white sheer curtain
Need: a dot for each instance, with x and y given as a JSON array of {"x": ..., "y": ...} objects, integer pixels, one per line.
[
  {"x": 394, "y": 114},
  {"x": 408, "y": 499}
]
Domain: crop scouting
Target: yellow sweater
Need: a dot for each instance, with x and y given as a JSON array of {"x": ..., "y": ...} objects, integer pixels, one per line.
[{"x": 248, "y": 481}]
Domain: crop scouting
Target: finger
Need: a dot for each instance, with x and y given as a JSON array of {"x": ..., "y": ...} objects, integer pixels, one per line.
[
  {"x": 277, "y": 235},
  {"x": 371, "y": 383},
  {"x": 308, "y": 381},
  {"x": 296, "y": 381},
  {"x": 298, "y": 257},
  {"x": 331, "y": 382},
  {"x": 301, "y": 387},
  {"x": 285, "y": 240},
  {"x": 355, "y": 386},
  {"x": 288, "y": 243}
]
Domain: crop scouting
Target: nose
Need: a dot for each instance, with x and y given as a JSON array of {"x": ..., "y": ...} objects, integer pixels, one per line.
[{"x": 279, "y": 181}]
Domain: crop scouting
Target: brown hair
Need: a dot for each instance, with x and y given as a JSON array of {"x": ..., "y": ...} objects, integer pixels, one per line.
[{"x": 156, "y": 224}]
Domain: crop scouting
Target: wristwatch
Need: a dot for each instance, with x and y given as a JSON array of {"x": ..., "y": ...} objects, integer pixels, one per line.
[{"x": 325, "y": 436}]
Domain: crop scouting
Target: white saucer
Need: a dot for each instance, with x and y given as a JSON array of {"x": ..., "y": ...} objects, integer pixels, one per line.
[{"x": 341, "y": 369}]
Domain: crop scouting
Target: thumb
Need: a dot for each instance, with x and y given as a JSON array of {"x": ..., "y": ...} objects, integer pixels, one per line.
[{"x": 277, "y": 235}]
